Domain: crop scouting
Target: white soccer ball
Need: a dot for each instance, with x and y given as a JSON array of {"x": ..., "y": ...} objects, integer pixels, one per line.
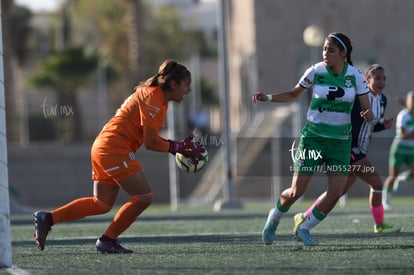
[{"x": 187, "y": 165}]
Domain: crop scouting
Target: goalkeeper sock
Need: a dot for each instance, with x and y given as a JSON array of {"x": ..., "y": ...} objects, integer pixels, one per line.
[
  {"x": 127, "y": 214},
  {"x": 80, "y": 208}
]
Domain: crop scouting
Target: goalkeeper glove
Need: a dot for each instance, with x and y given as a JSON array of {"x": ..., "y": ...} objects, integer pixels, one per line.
[{"x": 188, "y": 148}]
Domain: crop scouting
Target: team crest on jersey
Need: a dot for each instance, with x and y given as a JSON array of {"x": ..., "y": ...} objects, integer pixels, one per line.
[{"x": 348, "y": 82}]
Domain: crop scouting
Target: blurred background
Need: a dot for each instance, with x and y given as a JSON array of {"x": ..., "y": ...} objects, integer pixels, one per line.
[{"x": 69, "y": 64}]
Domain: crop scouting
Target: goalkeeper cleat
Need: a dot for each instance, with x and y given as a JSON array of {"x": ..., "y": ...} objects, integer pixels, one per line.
[
  {"x": 43, "y": 224},
  {"x": 110, "y": 246},
  {"x": 385, "y": 228},
  {"x": 298, "y": 220},
  {"x": 269, "y": 230},
  {"x": 304, "y": 236}
]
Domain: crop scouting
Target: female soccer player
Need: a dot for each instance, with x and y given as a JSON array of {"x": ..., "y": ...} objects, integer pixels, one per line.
[
  {"x": 137, "y": 122},
  {"x": 335, "y": 84},
  {"x": 402, "y": 149},
  {"x": 360, "y": 165}
]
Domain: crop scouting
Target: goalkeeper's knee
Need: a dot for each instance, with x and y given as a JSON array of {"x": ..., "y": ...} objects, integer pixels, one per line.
[
  {"x": 144, "y": 200},
  {"x": 102, "y": 205}
]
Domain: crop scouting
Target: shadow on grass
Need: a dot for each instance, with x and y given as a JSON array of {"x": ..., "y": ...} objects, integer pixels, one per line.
[
  {"x": 27, "y": 219},
  {"x": 213, "y": 238},
  {"x": 24, "y": 220},
  {"x": 343, "y": 242}
]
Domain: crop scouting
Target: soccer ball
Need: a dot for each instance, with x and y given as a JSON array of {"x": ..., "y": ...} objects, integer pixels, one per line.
[{"x": 187, "y": 165}]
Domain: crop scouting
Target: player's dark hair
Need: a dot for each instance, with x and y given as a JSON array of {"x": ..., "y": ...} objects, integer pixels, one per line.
[
  {"x": 372, "y": 69},
  {"x": 168, "y": 71},
  {"x": 343, "y": 43}
]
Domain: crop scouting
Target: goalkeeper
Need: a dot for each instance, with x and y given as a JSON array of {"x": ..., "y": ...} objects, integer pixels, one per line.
[{"x": 137, "y": 122}]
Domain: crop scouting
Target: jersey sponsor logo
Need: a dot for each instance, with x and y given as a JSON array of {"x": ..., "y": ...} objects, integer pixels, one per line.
[
  {"x": 321, "y": 110},
  {"x": 335, "y": 92}
]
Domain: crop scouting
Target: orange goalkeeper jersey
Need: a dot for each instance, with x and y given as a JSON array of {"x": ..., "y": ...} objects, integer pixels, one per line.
[{"x": 145, "y": 107}]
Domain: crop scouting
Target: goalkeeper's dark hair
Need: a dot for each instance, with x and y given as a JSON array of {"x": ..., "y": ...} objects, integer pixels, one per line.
[{"x": 169, "y": 70}]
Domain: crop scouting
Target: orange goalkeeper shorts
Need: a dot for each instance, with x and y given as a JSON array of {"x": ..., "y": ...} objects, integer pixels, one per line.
[{"x": 112, "y": 161}]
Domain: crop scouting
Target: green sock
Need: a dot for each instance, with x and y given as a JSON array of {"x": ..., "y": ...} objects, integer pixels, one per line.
[
  {"x": 318, "y": 214},
  {"x": 313, "y": 220},
  {"x": 280, "y": 207}
]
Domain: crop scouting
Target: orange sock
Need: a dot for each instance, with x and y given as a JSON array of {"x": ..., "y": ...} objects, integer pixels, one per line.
[
  {"x": 127, "y": 214},
  {"x": 80, "y": 208}
]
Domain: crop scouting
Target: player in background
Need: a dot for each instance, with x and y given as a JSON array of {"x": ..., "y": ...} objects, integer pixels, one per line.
[
  {"x": 401, "y": 151},
  {"x": 137, "y": 122},
  {"x": 361, "y": 167},
  {"x": 335, "y": 83}
]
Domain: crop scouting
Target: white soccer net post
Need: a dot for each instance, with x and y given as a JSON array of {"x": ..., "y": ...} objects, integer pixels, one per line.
[{"x": 5, "y": 235}]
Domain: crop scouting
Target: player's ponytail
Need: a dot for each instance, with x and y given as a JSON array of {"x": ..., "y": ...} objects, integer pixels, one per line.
[{"x": 343, "y": 43}]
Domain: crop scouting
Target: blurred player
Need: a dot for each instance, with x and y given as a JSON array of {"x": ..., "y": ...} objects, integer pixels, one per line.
[
  {"x": 360, "y": 165},
  {"x": 335, "y": 83},
  {"x": 402, "y": 149},
  {"x": 137, "y": 122}
]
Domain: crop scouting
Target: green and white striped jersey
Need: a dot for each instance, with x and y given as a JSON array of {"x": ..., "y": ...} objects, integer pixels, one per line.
[
  {"x": 329, "y": 113},
  {"x": 405, "y": 120}
]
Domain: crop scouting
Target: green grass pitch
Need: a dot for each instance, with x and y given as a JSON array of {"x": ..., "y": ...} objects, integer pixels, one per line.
[{"x": 197, "y": 240}]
